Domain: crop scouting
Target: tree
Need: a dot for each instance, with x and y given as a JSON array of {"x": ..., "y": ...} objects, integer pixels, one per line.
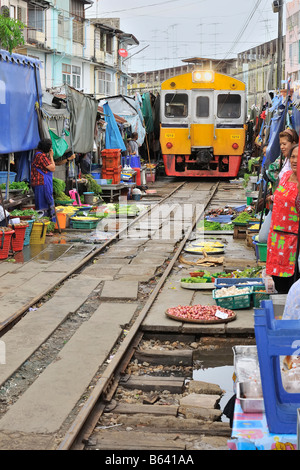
[{"x": 11, "y": 31}]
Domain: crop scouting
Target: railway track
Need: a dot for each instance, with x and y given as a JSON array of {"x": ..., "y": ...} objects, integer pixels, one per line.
[{"x": 35, "y": 416}]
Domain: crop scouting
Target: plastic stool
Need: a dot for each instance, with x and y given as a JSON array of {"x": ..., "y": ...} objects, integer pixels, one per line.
[
  {"x": 138, "y": 176},
  {"x": 275, "y": 338}
]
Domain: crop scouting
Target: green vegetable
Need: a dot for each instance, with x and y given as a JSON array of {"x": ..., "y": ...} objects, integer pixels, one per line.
[
  {"x": 59, "y": 187},
  {"x": 17, "y": 185}
]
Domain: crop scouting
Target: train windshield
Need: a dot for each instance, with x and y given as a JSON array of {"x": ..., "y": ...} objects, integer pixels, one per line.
[
  {"x": 229, "y": 106},
  {"x": 176, "y": 105}
]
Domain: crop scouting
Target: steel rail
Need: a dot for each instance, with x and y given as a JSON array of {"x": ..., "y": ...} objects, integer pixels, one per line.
[
  {"x": 8, "y": 322},
  {"x": 103, "y": 383}
]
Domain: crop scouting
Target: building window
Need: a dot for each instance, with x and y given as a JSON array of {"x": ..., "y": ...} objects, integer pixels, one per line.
[
  {"x": 36, "y": 18},
  {"x": 109, "y": 43},
  {"x": 63, "y": 26},
  {"x": 66, "y": 73},
  {"x": 76, "y": 76},
  {"x": 77, "y": 11},
  {"x": 105, "y": 83}
]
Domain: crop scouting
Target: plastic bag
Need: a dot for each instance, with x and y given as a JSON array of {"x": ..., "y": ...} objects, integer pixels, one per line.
[{"x": 59, "y": 145}]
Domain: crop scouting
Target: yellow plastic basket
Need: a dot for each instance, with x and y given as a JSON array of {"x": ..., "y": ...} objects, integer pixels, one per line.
[{"x": 38, "y": 233}]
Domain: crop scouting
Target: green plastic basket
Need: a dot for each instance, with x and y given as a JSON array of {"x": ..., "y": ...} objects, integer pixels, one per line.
[
  {"x": 88, "y": 224},
  {"x": 258, "y": 296},
  {"x": 234, "y": 302}
]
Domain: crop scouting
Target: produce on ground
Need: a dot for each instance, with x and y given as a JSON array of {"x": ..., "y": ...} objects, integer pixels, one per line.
[
  {"x": 199, "y": 312},
  {"x": 243, "y": 218},
  {"x": 197, "y": 280}
]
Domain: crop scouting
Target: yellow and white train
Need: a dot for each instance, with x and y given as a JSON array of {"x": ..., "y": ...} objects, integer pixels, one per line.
[{"x": 203, "y": 124}]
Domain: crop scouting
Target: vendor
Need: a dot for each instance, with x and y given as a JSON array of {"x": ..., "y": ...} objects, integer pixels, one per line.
[
  {"x": 283, "y": 235},
  {"x": 42, "y": 168},
  {"x": 132, "y": 145}
]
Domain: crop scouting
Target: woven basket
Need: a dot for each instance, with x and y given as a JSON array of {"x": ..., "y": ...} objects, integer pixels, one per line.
[{"x": 5, "y": 240}]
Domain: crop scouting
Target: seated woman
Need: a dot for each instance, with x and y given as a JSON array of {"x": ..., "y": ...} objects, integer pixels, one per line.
[
  {"x": 42, "y": 168},
  {"x": 283, "y": 235}
]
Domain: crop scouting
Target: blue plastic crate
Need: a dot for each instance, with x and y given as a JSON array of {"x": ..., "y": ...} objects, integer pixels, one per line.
[
  {"x": 3, "y": 176},
  {"x": 274, "y": 339},
  {"x": 238, "y": 282}
]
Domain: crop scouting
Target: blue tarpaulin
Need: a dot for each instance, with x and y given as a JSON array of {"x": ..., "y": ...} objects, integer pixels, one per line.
[
  {"x": 113, "y": 138},
  {"x": 19, "y": 82}
]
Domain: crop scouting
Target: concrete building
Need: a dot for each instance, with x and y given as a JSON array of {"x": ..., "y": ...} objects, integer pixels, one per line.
[
  {"x": 257, "y": 67},
  {"x": 73, "y": 49}
]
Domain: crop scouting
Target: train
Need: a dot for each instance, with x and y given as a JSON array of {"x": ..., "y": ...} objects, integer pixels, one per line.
[{"x": 203, "y": 127}]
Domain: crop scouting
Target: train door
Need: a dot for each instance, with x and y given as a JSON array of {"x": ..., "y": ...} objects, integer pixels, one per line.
[{"x": 202, "y": 119}]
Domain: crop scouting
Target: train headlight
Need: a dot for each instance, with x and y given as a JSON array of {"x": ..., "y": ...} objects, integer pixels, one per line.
[
  {"x": 203, "y": 76},
  {"x": 169, "y": 145},
  {"x": 235, "y": 146}
]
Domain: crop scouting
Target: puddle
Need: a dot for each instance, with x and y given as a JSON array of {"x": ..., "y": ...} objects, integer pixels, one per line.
[
  {"x": 216, "y": 367},
  {"x": 221, "y": 376}
]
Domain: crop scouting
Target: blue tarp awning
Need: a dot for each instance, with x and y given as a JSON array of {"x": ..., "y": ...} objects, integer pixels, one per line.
[
  {"x": 113, "y": 138},
  {"x": 19, "y": 82}
]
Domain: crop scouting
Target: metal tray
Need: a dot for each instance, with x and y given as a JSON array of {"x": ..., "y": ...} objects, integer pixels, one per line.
[{"x": 249, "y": 405}]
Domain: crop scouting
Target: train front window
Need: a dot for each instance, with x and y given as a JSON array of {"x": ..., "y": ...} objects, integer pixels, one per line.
[
  {"x": 229, "y": 106},
  {"x": 202, "y": 107},
  {"x": 176, "y": 105}
]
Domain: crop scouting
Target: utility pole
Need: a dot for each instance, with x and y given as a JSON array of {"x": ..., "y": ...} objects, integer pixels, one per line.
[{"x": 278, "y": 8}]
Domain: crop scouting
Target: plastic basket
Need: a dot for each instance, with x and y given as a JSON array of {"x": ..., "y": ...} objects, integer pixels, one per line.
[
  {"x": 28, "y": 232},
  {"x": 88, "y": 224},
  {"x": 5, "y": 240},
  {"x": 62, "y": 219},
  {"x": 234, "y": 302},
  {"x": 38, "y": 233},
  {"x": 17, "y": 240},
  {"x": 239, "y": 282},
  {"x": 258, "y": 296},
  {"x": 262, "y": 251},
  {"x": 3, "y": 176}
]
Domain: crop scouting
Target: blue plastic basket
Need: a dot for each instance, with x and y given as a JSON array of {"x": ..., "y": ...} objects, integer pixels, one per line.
[
  {"x": 3, "y": 176},
  {"x": 28, "y": 232},
  {"x": 239, "y": 282},
  {"x": 274, "y": 339}
]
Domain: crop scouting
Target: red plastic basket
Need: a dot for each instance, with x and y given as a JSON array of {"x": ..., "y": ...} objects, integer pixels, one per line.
[
  {"x": 5, "y": 239},
  {"x": 18, "y": 237}
]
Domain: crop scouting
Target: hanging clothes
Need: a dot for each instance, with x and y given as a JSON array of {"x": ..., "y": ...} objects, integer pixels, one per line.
[{"x": 282, "y": 240}]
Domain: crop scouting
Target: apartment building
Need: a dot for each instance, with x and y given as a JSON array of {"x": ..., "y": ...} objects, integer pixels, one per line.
[{"x": 72, "y": 48}]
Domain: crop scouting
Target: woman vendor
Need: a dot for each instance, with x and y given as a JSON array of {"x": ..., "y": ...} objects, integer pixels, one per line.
[
  {"x": 42, "y": 168},
  {"x": 287, "y": 139},
  {"x": 283, "y": 235}
]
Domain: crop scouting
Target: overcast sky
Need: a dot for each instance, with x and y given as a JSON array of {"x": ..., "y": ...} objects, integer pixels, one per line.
[{"x": 171, "y": 30}]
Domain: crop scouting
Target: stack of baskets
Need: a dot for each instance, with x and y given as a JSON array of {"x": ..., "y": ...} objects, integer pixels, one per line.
[{"x": 111, "y": 165}]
